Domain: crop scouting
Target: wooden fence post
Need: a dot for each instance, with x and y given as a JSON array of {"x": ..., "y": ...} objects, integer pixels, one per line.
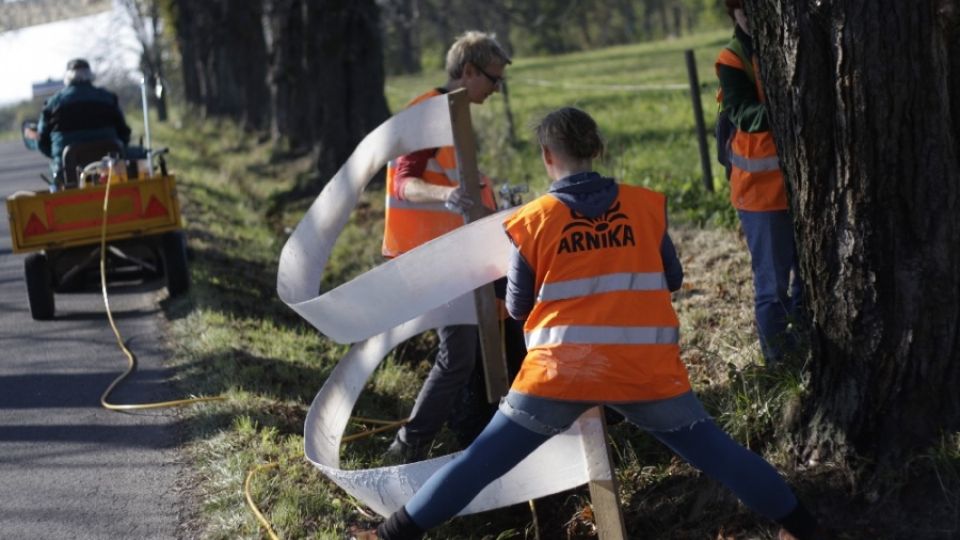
[
  {"x": 603, "y": 481},
  {"x": 698, "y": 117}
]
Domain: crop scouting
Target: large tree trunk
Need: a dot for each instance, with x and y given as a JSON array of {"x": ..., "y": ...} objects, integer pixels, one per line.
[
  {"x": 226, "y": 73},
  {"x": 180, "y": 14},
  {"x": 346, "y": 63},
  {"x": 629, "y": 15},
  {"x": 291, "y": 101},
  {"x": 241, "y": 56},
  {"x": 865, "y": 102},
  {"x": 400, "y": 20}
]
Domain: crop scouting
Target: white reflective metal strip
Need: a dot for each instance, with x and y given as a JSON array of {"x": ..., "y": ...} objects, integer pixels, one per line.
[
  {"x": 754, "y": 165},
  {"x": 623, "y": 281},
  {"x": 602, "y": 335},
  {"x": 395, "y": 203}
]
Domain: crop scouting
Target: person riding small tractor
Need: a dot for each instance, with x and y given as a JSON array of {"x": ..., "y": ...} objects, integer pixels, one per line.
[{"x": 62, "y": 227}]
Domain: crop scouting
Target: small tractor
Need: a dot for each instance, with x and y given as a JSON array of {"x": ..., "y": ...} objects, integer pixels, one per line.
[{"x": 61, "y": 227}]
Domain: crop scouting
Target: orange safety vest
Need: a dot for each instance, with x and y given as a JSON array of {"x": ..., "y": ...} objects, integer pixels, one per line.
[
  {"x": 756, "y": 182},
  {"x": 602, "y": 327},
  {"x": 408, "y": 224}
]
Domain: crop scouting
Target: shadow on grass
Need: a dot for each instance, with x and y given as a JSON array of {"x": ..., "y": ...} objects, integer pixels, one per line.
[{"x": 238, "y": 287}]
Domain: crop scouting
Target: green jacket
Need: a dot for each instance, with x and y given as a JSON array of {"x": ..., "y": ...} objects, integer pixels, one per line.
[
  {"x": 740, "y": 97},
  {"x": 79, "y": 112}
]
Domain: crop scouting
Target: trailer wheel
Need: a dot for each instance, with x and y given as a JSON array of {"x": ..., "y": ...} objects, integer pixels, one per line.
[
  {"x": 174, "y": 245},
  {"x": 39, "y": 286}
]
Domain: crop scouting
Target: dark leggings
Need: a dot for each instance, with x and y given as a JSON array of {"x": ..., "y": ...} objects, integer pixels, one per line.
[{"x": 504, "y": 443}]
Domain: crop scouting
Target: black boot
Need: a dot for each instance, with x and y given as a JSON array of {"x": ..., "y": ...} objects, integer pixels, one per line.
[
  {"x": 399, "y": 526},
  {"x": 801, "y": 524}
]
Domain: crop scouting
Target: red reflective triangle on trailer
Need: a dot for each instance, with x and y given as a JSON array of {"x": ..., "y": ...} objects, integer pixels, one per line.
[
  {"x": 155, "y": 209},
  {"x": 34, "y": 227}
]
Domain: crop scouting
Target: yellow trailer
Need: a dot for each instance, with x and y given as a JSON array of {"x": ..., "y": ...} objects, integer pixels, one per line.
[
  {"x": 61, "y": 228},
  {"x": 40, "y": 220},
  {"x": 61, "y": 234}
]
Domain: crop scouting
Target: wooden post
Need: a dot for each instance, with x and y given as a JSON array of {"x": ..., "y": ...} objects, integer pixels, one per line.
[
  {"x": 603, "y": 482},
  {"x": 491, "y": 342},
  {"x": 698, "y": 118}
]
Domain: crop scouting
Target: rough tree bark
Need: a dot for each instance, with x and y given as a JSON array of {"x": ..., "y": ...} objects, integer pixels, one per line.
[
  {"x": 291, "y": 105},
  {"x": 179, "y": 14},
  {"x": 864, "y": 98},
  {"x": 345, "y": 61},
  {"x": 224, "y": 59},
  {"x": 241, "y": 58},
  {"x": 629, "y": 15},
  {"x": 401, "y": 23}
]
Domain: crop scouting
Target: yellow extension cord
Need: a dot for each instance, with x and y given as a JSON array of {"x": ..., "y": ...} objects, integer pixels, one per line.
[
  {"x": 131, "y": 358},
  {"x": 253, "y": 506},
  {"x": 132, "y": 366}
]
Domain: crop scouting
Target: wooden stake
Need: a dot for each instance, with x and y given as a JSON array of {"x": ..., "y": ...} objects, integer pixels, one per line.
[
  {"x": 603, "y": 482},
  {"x": 491, "y": 342}
]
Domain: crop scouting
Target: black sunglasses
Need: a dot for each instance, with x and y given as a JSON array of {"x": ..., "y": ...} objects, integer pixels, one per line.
[{"x": 496, "y": 81}]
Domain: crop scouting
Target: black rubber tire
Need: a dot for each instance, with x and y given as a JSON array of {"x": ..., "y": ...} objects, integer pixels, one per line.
[
  {"x": 36, "y": 269},
  {"x": 175, "y": 268}
]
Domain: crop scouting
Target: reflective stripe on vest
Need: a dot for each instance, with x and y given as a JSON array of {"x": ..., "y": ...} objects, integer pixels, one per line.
[
  {"x": 450, "y": 173},
  {"x": 602, "y": 335},
  {"x": 754, "y": 165},
  {"x": 395, "y": 203},
  {"x": 636, "y": 281},
  {"x": 756, "y": 181}
]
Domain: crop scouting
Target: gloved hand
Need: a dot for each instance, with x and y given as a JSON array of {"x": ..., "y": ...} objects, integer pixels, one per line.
[{"x": 458, "y": 201}]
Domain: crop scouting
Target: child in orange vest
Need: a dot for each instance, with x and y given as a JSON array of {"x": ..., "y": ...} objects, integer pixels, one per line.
[{"x": 592, "y": 276}]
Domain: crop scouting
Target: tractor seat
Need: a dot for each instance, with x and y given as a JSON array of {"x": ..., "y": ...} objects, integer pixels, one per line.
[{"x": 77, "y": 155}]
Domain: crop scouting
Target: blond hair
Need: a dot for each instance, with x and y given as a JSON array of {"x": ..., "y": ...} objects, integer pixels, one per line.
[{"x": 477, "y": 48}]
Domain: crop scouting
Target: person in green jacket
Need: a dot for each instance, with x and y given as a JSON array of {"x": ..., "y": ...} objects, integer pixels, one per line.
[
  {"x": 78, "y": 113},
  {"x": 758, "y": 192}
]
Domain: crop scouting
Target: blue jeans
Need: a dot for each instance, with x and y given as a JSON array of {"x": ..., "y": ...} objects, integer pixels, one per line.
[
  {"x": 525, "y": 422},
  {"x": 778, "y": 291}
]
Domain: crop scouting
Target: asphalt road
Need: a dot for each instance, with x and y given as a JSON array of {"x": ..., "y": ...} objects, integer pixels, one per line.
[{"x": 69, "y": 468}]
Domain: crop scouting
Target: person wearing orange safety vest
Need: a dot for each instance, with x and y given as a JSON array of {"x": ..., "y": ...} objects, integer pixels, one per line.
[
  {"x": 409, "y": 223},
  {"x": 592, "y": 274},
  {"x": 758, "y": 192},
  {"x": 423, "y": 201}
]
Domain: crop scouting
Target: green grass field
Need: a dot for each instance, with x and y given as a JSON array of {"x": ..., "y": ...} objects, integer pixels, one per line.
[
  {"x": 233, "y": 336},
  {"x": 639, "y": 96}
]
